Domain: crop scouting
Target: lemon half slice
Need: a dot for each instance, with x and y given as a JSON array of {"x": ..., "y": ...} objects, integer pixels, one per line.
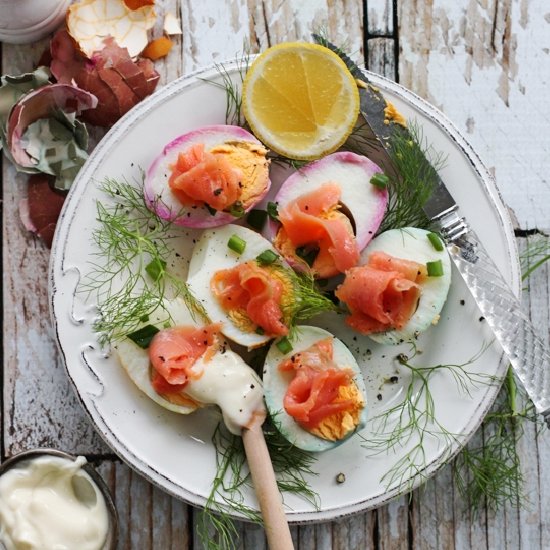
[{"x": 300, "y": 99}]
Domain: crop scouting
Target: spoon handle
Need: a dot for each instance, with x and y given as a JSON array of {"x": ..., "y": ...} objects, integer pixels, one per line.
[{"x": 265, "y": 485}]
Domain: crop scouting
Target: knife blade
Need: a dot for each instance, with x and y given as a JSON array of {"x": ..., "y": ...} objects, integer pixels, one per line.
[{"x": 527, "y": 352}]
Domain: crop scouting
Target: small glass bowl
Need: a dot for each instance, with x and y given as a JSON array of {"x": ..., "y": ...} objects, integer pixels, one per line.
[{"x": 112, "y": 532}]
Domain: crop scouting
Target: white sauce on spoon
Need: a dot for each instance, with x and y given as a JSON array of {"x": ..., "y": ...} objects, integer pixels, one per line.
[
  {"x": 50, "y": 503},
  {"x": 227, "y": 381}
]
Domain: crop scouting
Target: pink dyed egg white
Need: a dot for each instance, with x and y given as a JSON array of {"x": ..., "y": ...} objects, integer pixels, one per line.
[
  {"x": 248, "y": 157},
  {"x": 361, "y": 201}
]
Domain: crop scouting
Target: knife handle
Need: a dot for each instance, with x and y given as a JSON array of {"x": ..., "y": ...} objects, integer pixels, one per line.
[{"x": 527, "y": 352}]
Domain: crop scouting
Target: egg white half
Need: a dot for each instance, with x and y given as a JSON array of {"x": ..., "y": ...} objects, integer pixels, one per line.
[
  {"x": 276, "y": 385},
  {"x": 212, "y": 254},
  {"x": 411, "y": 243}
]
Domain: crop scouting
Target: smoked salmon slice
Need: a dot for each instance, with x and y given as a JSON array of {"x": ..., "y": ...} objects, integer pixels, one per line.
[
  {"x": 313, "y": 395},
  {"x": 314, "y": 219},
  {"x": 173, "y": 352},
  {"x": 253, "y": 289},
  {"x": 199, "y": 177},
  {"x": 383, "y": 294}
]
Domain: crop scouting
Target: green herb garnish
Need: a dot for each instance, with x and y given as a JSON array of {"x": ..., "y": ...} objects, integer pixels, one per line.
[
  {"x": 131, "y": 281},
  {"x": 272, "y": 211},
  {"x": 143, "y": 336},
  {"x": 435, "y": 269},
  {"x": 380, "y": 180},
  {"x": 267, "y": 257},
  {"x": 236, "y": 244},
  {"x": 236, "y": 209},
  {"x": 256, "y": 219},
  {"x": 436, "y": 241},
  {"x": 284, "y": 345}
]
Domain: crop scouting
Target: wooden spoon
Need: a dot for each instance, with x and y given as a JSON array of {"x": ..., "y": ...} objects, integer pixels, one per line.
[{"x": 265, "y": 485}]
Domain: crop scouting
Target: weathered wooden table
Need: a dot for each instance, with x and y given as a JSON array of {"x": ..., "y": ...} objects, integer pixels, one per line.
[{"x": 486, "y": 64}]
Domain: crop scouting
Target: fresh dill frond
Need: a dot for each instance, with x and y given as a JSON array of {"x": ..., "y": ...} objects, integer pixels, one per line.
[
  {"x": 414, "y": 419},
  {"x": 129, "y": 237},
  {"x": 233, "y": 93},
  {"x": 307, "y": 300},
  {"x": 488, "y": 474},
  {"x": 417, "y": 164}
]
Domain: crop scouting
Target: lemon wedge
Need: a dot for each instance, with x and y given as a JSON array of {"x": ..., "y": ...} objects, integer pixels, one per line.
[{"x": 300, "y": 99}]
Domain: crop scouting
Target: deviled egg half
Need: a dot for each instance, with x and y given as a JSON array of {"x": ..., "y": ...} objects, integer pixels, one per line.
[
  {"x": 189, "y": 365},
  {"x": 400, "y": 286},
  {"x": 208, "y": 177},
  {"x": 328, "y": 212},
  {"x": 237, "y": 276},
  {"x": 315, "y": 393}
]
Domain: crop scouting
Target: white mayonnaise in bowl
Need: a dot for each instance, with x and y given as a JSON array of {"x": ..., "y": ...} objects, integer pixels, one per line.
[{"x": 50, "y": 499}]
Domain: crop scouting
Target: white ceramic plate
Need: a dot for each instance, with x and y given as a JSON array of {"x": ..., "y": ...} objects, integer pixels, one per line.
[{"x": 175, "y": 452}]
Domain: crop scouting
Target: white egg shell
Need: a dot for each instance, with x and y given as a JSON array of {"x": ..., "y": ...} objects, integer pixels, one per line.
[
  {"x": 212, "y": 254},
  {"x": 135, "y": 360},
  {"x": 411, "y": 243},
  {"x": 276, "y": 385}
]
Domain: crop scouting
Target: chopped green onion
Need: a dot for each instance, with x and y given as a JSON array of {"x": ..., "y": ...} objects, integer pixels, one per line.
[
  {"x": 236, "y": 244},
  {"x": 212, "y": 211},
  {"x": 144, "y": 318},
  {"x": 308, "y": 254},
  {"x": 256, "y": 219},
  {"x": 436, "y": 241},
  {"x": 284, "y": 345},
  {"x": 380, "y": 180},
  {"x": 272, "y": 211},
  {"x": 156, "y": 269},
  {"x": 267, "y": 257},
  {"x": 166, "y": 324},
  {"x": 435, "y": 269},
  {"x": 237, "y": 209},
  {"x": 260, "y": 331},
  {"x": 143, "y": 336}
]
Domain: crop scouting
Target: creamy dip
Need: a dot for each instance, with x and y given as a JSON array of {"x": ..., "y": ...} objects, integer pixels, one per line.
[
  {"x": 227, "y": 381},
  {"x": 50, "y": 503}
]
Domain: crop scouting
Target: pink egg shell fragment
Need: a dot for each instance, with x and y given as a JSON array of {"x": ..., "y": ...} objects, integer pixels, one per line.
[
  {"x": 365, "y": 202},
  {"x": 160, "y": 198}
]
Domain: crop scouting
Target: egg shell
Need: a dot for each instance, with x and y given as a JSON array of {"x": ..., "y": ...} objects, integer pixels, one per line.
[
  {"x": 365, "y": 202},
  {"x": 162, "y": 200},
  {"x": 411, "y": 243},
  {"x": 212, "y": 254},
  {"x": 276, "y": 385},
  {"x": 135, "y": 360}
]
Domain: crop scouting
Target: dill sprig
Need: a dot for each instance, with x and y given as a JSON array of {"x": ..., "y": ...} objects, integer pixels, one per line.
[
  {"x": 413, "y": 420},
  {"x": 129, "y": 238},
  {"x": 232, "y": 476},
  {"x": 233, "y": 94},
  {"x": 417, "y": 164}
]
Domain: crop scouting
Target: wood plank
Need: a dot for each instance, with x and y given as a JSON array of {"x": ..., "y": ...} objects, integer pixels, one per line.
[
  {"x": 393, "y": 525},
  {"x": 475, "y": 61},
  {"x": 381, "y": 57},
  {"x": 40, "y": 407},
  {"x": 380, "y": 15}
]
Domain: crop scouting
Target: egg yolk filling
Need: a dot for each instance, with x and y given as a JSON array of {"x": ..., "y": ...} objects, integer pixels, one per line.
[
  {"x": 229, "y": 176},
  {"x": 322, "y": 397},
  {"x": 383, "y": 294},
  {"x": 172, "y": 354},
  {"x": 315, "y": 231},
  {"x": 253, "y": 297}
]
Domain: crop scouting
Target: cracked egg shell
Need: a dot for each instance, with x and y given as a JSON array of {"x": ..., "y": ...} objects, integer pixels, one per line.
[
  {"x": 411, "y": 243},
  {"x": 243, "y": 150},
  {"x": 276, "y": 385}
]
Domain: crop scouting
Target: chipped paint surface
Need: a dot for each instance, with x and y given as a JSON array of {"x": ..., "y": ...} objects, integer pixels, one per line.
[{"x": 477, "y": 60}]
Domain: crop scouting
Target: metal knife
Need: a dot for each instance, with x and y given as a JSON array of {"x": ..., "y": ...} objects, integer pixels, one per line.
[{"x": 527, "y": 352}]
